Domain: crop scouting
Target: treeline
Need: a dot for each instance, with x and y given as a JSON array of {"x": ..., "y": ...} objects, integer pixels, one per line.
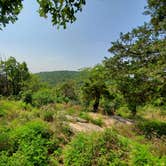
[{"x": 55, "y": 77}]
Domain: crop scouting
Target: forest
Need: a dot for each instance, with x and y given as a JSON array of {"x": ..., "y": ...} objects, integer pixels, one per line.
[{"x": 113, "y": 113}]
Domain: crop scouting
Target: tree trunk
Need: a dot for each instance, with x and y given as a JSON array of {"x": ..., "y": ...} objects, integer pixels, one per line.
[
  {"x": 134, "y": 110},
  {"x": 96, "y": 104}
]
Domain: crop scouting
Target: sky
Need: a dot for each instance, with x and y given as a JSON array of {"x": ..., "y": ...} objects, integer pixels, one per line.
[{"x": 84, "y": 43}]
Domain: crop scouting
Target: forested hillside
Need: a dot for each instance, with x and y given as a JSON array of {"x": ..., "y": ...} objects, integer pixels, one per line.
[{"x": 55, "y": 77}]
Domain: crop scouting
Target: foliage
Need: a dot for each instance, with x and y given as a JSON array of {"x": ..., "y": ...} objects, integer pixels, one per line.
[
  {"x": 94, "y": 88},
  {"x": 13, "y": 76},
  {"x": 67, "y": 91},
  {"x": 30, "y": 141},
  {"x": 57, "y": 77},
  {"x": 96, "y": 149},
  {"x": 48, "y": 116},
  {"x": 96, "y": 121},
  {"x": 61, "y": 11},
  {"x": 9, "y": 11},
  {"x": 112, "y": 104},
  {"x": 157, "y": 9},
  {"x": 43, "y": 97},
  {"x": 28, "y": 144},
  {"x": 34, "y": 84},
  {"x": 27, "y": 97},
  {"x": 142, "y": 156},
  {"x": 152, "y": 128},
  {"x": 108, "y": 148},
  {"x": 135, "y": 55}
]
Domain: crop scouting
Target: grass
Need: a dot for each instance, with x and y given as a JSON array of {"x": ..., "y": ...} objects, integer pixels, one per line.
[
  {"x": 19, "y": 121},
  {"x": 89, "y": 118}
]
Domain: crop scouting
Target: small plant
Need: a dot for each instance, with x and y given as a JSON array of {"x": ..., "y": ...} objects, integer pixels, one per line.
[
  {"x": 97, "y": 121},
  {"x": 85, "y": 116},
  {"x": 48, "y": 116},
  {"x": 2, "y": 113},
  {"x": 27, "y": 97},
  {"x": 142, "y": 156},
  {"x": 152, "y": 128},
  {"x": 4, "y": 139}
]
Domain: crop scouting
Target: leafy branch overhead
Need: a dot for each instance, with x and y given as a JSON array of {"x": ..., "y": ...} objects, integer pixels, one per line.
[{"x": 60, "y": 11}]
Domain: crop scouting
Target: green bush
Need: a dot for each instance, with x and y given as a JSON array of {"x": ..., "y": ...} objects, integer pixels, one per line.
[
  {"x": 96, "y": 149},
  {"x": 48, "y": 116},
  {"x": 96, "y": 121},
  {"x": 4, "y": 139},
  {"x": 28, "y": 145},
  {"x": 16, "y": 159},
  {"x": 27, "y": 97},
  {"x": 159, "y": 101},
  {"x": 141, "y": 157},
  {"x": 43, "y": 97},
  {"x": 2, "y": 112},
  {"x": 85, "y": 116},
  {"x": 108, "y": 148},
  {"x": 152, "y": 128},
  {"x": 124, "y": 112}
]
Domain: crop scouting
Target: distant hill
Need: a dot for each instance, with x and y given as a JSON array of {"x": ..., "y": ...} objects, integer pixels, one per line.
[{"x": 55, "y": 77}]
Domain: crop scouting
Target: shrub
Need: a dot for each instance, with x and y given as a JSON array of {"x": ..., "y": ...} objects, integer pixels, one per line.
[
  {"x": 4, "y": 139},
  {"x": 96, "y": 121},
  {"x": 152, "y": 128},
  {"x": 85, "y": 116},
  {"x": 109, "y": 107},
  {"x": 28, "y": 144},
  {"x": 27, "y": 97},
  {"x": 96, "y": 149},
  {"x": 48, "y": 116},
  {"x": 43, "y": 97},
  {"x": 141, "y": 156},
  {"x": 159, "y": 101},
  {"x": 124, "y": 112},
  {"x": 2, "y": 112},
  {"x": 16, "y": 159}
]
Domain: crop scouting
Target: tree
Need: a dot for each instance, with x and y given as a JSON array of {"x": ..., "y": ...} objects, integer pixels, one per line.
[
  {"x": 61, "y": 11},
  {"x": 138, "y": 64},
  {"x": 157, "y": 11},
  {"x": 94, "y": 88},
  {"x": 3, "y": 80},
  {"x": 15, "y": 75},
  {"x": 67, "y": 91}
]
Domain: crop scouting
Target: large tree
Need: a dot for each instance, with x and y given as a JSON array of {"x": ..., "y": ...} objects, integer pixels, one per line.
[
  {"x": 138, "y": 64},
  {"x": 61, "y": 11},
  {"x": 14, "y": 75},
  {"x": 94, "y": 87}
]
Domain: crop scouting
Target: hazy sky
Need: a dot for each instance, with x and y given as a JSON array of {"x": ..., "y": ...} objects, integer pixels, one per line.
[{"x": 85, "y": 43}]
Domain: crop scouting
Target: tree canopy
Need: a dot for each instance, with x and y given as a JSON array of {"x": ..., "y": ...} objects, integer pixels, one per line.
[
  {"x": 138, "y": 65},
  {"x": 13, "y": 76},
  {"x": 60, "y": 11}
]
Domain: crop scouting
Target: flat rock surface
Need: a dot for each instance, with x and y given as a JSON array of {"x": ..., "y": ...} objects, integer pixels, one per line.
[
  {"x": 111, "y": 120},
  {"x": 81, "y": 125},
  {"x": 84, "y": 127}
]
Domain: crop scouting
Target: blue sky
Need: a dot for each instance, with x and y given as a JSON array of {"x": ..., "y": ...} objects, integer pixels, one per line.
[{"x": 85, "y": 43}]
